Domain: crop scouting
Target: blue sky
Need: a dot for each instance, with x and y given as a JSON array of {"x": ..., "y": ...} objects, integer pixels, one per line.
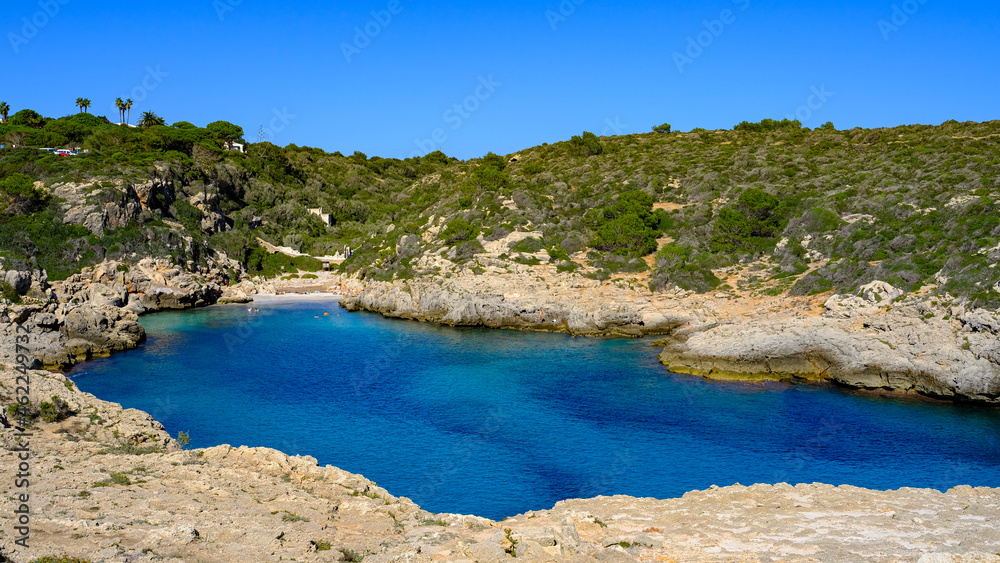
[{"x": 469, "y": 78}]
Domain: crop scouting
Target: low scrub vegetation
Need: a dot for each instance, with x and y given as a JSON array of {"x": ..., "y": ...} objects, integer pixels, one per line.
[{"x": 821, "y": 208}]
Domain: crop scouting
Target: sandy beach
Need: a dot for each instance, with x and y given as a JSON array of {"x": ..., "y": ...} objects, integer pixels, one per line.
[{"x": 262, "y": 298}]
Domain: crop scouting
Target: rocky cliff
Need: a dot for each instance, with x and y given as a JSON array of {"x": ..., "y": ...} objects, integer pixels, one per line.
[
  {"x": 524, "y": 297},
  {"x": 910, "y": 344},
  {"x": 96, "y": 313}
]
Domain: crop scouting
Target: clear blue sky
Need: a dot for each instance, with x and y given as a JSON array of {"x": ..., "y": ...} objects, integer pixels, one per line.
[{"x": 553, "y": 70}]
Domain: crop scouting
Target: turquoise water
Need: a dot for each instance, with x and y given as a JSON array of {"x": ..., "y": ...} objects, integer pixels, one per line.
[{"x": 496, "y": 423}]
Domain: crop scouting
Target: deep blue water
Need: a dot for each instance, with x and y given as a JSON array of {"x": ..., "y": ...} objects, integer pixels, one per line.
[{"x": 496, "y": 423}]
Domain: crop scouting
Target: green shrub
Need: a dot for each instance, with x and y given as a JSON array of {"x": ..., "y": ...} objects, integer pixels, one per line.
[
  {"x": 628, "y": 227},
  {"x": 532, "y": 168},
  {"x": 752, "y": 225},
  {"x": 54, "y": 411},
  {"x": 528, "y": 245},
  {"x": 768, "y": 125},
  {"x": 351, "y": 556},
  {"x": 684, "y": 268},
  {"x": 293, "y": 517},
  {"x": 586, "y": 145},
  {"x": 459, "y": 230},
  {"x": 8, "y": 292},
  {"x": 813, "y": 284}
]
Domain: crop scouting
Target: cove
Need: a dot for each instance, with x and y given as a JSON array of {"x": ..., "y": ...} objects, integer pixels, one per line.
[{"x": 496, "y": 423}]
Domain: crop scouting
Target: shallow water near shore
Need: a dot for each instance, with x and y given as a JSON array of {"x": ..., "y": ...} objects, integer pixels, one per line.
[{"x": 496, "y": 423}]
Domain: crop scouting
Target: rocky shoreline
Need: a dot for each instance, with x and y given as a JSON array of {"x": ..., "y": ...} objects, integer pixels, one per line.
[
  {"x": 110, "y": 484},
  {"x": 879, "y": 340}
]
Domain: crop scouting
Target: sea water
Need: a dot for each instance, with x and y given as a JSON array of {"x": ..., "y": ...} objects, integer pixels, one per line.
[{"x": 496, "y": 423}]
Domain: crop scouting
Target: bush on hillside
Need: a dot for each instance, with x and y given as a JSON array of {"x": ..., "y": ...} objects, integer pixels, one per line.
[{"x": 586, "y": 145}]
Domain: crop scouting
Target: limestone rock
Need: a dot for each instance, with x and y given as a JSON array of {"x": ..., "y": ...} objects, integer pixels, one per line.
[
  {"x": 20, "y": 281},
  {"x": 880, "y": 291},
  {"x": 903, "y": 349}
]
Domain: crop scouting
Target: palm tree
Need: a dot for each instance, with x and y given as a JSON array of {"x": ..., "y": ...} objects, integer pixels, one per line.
[
  {"x": 84, "y": 104},
  {"x": 79, "y": 104},
  {"x": 121, "y": 109},
  {"x": 128, "y": 106},
  {"x": 4, "y": 111},
  {"x": 150, "y": 119}
]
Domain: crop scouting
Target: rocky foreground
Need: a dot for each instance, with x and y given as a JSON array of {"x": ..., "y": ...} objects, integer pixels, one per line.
[{"x": 110, "y": 485}]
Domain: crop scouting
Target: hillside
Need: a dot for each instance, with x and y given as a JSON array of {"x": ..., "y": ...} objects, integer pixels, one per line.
[{"x": 768, "y": 207}]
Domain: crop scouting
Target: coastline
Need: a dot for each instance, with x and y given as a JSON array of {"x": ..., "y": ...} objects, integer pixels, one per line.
[
  {"x": 153, "y": 503},
  {"x": 265, "y": 298},
  {"x": 912, "y": 345}
]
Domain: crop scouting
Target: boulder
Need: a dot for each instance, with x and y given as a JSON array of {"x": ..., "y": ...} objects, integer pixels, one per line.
[
  {"x": 20, "y": 281},
  {"x": 102, "y": 295},
  {"x": 880, "y": 292}
]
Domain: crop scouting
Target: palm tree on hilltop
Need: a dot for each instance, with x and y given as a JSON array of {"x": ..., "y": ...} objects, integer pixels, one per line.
[
  {"x": 84, "y": 104},
  {"x": 128, "y": 106},
  {"x": 79, "y": 104},
  {"x": 150, "y": 119},
  {"x": 4, "y": 111},
  {"x": 121, "y": 109}
]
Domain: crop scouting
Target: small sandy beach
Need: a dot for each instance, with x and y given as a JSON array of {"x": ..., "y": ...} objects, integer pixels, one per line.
[{"x": 262, "y": 298}]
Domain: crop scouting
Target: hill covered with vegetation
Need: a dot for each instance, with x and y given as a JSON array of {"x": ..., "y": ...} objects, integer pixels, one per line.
[{"x": 806, "y": 211}]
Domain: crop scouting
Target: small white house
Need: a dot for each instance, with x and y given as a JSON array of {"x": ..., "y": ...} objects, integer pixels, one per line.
[{"x": 237, "y": 147}]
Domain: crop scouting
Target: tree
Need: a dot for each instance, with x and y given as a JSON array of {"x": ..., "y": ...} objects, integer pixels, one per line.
[
  {"x": 150, "y": 119},
  {"x": 4, "y": 111},
  {"x": 494, "y": 160},
  {"x": 84, "y": 104},
  {"x": 628, "y": 227},
  {"x": 79, "y": 104},
  {"x": 752, "y": 225},
  {"x": 128, "y": 107},
  {"x": 28, "y": 118},
  {"x": 665, "y": 128},
  {"x": 121, "y": 110},
  {"x": 225, "y": 132},
  {"x": 627, "y": 235},
  {"x": 586, "y": 145},
  {"x": 768, "y": 125}
]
